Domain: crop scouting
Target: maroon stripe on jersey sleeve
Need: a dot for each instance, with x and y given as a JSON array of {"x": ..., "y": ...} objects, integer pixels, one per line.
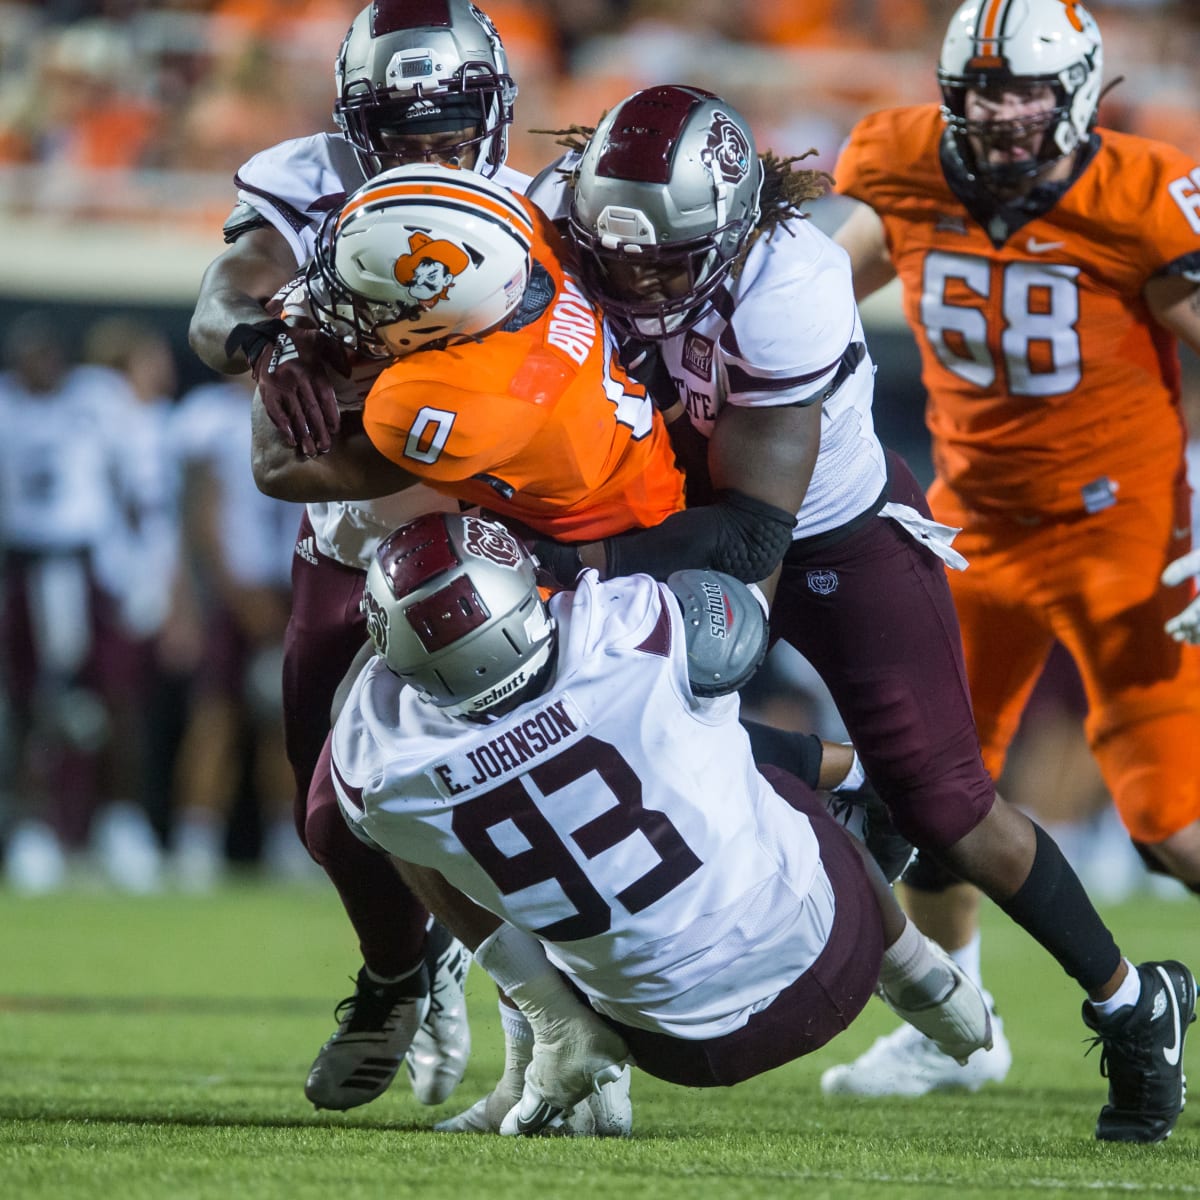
[{"x": 659, "y": 640}]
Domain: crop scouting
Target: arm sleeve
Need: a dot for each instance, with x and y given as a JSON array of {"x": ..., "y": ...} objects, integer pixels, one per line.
[{"x": 740, "y": 535}]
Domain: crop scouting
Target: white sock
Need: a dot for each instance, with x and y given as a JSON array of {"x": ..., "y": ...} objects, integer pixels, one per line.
[
  {"x": 910, "y": 974},
  {"x": 1127, "y": 994},
  {"x": 514, "y": 1023},
  {"x": 967, "y": 958}
]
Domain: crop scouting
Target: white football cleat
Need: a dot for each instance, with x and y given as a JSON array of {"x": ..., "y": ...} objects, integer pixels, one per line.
[
  {"x": 585, "y": 1056},
  {"x": 608, "y": 1112},
  {"x": 611, "y": 1107},
  {"x": 906, "y": 1063},
  {"x": 959, "y": 1024},
  {"x": 441, "y": 1047}
]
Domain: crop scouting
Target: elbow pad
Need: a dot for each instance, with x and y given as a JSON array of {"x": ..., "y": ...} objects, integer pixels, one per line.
[
  {"x": 738, "y": 535},
  {"x": 725, "y": 626},
  {"x": 243, "y": 218}
]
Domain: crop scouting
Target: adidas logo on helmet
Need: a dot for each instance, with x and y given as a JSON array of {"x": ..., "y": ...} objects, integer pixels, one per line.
[{"x": 421, "y": 108}]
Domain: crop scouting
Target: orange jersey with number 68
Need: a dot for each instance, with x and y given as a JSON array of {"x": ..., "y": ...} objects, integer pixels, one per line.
[
  {"x": 1049, "y": 384},
  {"x": 539, "y": 423}
]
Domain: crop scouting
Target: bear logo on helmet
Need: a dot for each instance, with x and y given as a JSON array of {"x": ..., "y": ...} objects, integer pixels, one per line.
[
  {"x": 729, "y": 148},
  {"x": 491, "y": 541}
]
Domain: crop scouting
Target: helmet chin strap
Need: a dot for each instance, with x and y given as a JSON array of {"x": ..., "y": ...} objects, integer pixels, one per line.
[{"x": 503, "y": 696}]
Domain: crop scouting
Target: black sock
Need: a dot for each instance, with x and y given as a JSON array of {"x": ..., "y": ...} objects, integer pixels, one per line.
[
  {"x": 1052, "y": 906},
  {"x": 799, "y": 754}
]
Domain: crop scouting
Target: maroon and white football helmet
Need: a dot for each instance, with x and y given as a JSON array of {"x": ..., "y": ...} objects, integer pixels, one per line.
[
  {"x": 668, "y": 183},
  {"x": 453, "y": 608},
  {"x": 423, "y": 66}
]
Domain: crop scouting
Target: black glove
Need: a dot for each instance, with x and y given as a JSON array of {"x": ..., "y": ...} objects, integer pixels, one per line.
[
  {"x": 290, "y": 364},
  {"x": 561, "y": 562},
  {"x": 643, "y": 362}
]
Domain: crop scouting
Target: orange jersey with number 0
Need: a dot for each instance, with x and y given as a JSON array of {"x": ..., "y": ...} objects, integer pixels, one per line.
[{"x": 541, "y": 424}]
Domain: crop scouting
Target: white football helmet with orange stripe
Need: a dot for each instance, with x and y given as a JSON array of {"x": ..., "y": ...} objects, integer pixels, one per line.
[
  {"x": 995, "y": 42},
  {"x": 421, "y": 254}
]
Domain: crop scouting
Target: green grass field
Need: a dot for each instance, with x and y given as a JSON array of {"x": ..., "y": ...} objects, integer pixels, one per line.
[{"x": 156, "y": 1050}]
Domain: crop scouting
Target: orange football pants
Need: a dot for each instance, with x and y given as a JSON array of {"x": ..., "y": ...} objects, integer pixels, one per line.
[{"x": 1091, "y": 581}]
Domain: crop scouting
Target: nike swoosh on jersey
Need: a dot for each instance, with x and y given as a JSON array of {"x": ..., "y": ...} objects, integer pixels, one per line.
[
  {"x": 1036, "y": 247},
  {"x": 1171, "y": 1053}
]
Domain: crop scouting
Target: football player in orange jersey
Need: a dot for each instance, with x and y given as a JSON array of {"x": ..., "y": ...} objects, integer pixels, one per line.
[
  {"x": 500, "y": 387},
  {"x": 1047, "y": 268}
]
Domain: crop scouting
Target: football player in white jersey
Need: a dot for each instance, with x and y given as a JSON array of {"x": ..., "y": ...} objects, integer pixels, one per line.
[
  {"x": 428, "y": 82},
  {"x": 578, "y": 771},
  {"x": 694, "y": 242}
]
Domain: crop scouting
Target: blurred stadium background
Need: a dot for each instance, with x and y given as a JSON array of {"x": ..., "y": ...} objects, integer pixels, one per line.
[{"x": 122, "y": 122}]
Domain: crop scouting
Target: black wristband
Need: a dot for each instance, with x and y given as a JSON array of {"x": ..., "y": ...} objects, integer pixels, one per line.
[{"x": 252, "y": 338}]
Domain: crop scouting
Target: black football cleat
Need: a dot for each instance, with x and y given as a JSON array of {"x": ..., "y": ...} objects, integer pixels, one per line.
[{"x": 1142, "y": 1055}]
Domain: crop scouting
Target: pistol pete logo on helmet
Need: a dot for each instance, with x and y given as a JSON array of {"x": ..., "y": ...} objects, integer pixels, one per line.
[
  {"x": 492, "y": 542},
  {"x": 377, "y": 624},
  {"x": 729, "y": 149},
  {"x": 429, "y": 268}
]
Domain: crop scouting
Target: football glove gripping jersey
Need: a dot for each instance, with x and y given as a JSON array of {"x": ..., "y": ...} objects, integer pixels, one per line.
[{"x": 290, "y": 364}]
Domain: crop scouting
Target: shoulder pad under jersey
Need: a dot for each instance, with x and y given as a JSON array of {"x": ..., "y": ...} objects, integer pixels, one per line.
[{"x": 725, "y": 625}]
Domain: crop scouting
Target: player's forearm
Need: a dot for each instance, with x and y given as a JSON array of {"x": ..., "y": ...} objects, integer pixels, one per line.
[
  {"x": 218, "y": 311},
  {"x": 465, "y": 919},
  {"x": 352, "y": 469},
  {"x": 234, "y": 291}
]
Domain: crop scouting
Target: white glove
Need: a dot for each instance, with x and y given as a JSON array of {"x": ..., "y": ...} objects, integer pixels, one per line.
[
  {"x": 1186, "y": 626},
  {"x": 574, "y": 1052}
]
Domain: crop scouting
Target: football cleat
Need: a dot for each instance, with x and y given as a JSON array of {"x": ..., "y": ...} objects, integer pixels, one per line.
[
  {"x": 959, "y": 1024},
  {"x": 376, "y": 1026},
  {"x": 608, "y": 1112},
  {"x": 585, "y": 1057},
  {"x": 611, "y": 1107},
  {"x": 1142, "y": 1055},
  {"x": 605, "y": 1112},
  {"x": 438, "y": 1056},
  {"x": 906, "y": 1063}
]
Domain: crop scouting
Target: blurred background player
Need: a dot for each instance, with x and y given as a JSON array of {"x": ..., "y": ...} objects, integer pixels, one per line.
[
  {"x": 414, "y": 83},
  {"x": 231, "y": 602},
  {"x": 1047, "y": 268},
  {"x": 87, "y": 520}
]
